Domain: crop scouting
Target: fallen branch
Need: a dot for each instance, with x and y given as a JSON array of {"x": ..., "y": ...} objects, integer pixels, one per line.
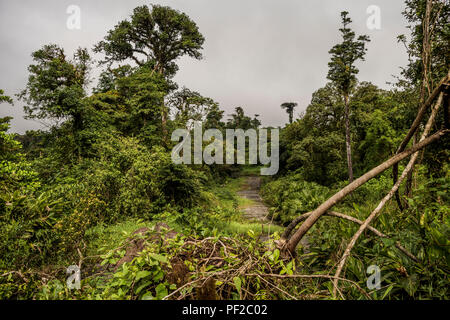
[
  {"x": 310, "y": 276},
  {"x": 287, "y": 232},
  {"x": 292, "y": 243},
  {"x": 375, "y": 231},
  {"x": 439, "y": 88},
  {"x": 380, "y": 206},
  {"x": 355, "y": 220},
  {"x": 423, "y": 108},
  {"x": 274, "y": 286}
]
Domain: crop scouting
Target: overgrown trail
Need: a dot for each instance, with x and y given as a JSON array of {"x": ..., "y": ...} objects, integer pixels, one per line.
[{"x": 257, "y": 210}]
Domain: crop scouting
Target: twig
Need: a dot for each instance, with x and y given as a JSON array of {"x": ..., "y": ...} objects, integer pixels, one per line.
[{"x": 325, "y": 276}]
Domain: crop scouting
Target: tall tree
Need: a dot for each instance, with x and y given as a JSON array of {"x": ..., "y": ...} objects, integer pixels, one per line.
[
  {"x": 214, "y": 118},
  {"x": 342, "y": 72},
  {"x": 239, "y": 120},
  {"x": 429, "y": 44},
  {"x": 190, "y": 105},
  {"x": 429, "y": 60},
  {"x": 7, "y": 144},
  {"x": 155, "y": 37},
  {"x": 289, "y": 107},
  {"x": 108, "y": 79},
  {"x": 143, "y": 93},
  {"x": 56, "y": 85},
  {"x": 255, "y": 121}
]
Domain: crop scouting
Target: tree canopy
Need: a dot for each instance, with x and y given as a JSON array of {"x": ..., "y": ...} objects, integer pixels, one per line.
[
  {"x": 342, "y": 70},
  {"x": 155, "y": 36},
  {"x": 289, "y": 107}
]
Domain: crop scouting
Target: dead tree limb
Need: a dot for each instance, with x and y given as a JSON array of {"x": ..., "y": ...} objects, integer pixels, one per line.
[
  {"x": 423, "y": 108},
  {"x": 292, "y": 243},
  {"x": 357, "y": 221},
  {"x": 439, "y": 88},
  {"x": 380, "y": 206},
  {"x": 445, "y": 106},
  {"x": 375, "y": 231},
  {"x": 288, "y": 230}
]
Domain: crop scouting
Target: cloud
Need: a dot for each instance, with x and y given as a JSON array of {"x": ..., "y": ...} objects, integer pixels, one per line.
[{"x": 258, "y": 53}]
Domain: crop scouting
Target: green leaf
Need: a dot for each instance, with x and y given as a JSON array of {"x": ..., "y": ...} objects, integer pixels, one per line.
[
  {"x": 388, "y": 242},
  {"x": 143, "y": 286},
  {"x": 411, "y": 284},
  {"x": 158, "y": 276},
  {"x": 148, "y": 296},
  {"x": 161, "y": 291},
  {"x": 142, "y": 274},
  {"x": 237, "y": 283},
  {"x": 158, "y": 257},
  {"x": 387, "y": 291}
]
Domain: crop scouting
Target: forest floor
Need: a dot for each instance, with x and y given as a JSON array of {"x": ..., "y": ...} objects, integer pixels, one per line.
[{"x": 239, "y": 194}]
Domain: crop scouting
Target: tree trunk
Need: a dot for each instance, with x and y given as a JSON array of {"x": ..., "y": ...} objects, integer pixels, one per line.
[
  {"x": 409, "y": 178},
  {"x": 394, "y": 189},
  {"x": 423, "y": 108},
  {"x": 355, "y": 220},
  {"x": 441, "y": 86},
  {"x": 164, "y": 125},
  {"x": 446, "y": 108},
  {"x": 324, "y": 207},
  {"x": 348, "y": 139}
]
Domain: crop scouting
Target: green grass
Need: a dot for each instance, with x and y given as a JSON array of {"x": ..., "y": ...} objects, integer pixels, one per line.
[
  {"x": 103, "y": 238},
  {"x": 238, "y": 227},
  {"x": 226, "y": 193},
  {"x": 249, "y": 170},
  {"x": 227, "y": 198},
  {"x": 244, "y": 202}
]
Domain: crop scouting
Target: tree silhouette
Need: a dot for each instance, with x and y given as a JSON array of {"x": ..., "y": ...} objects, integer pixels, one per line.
[
  {"x": 155, "y": 36},
  {"x": 289, "y": 107},
  {"x": 342, "y": 72}
]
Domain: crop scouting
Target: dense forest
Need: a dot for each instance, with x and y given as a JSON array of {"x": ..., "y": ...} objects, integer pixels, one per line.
[{"x": 363, "y": 176}]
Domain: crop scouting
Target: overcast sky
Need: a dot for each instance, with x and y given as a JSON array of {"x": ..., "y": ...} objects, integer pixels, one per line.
[{"x": 257, "y": 54}]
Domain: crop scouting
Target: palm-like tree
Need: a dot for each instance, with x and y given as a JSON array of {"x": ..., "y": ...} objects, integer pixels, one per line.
[{"x": 289, "y": 107}]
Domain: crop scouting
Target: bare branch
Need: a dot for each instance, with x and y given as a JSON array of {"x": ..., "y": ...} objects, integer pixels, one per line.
[
  {"x": 324, "y": 207},
  {"x": 380, "y": 206},
  {"x": 355, "y": 220}
]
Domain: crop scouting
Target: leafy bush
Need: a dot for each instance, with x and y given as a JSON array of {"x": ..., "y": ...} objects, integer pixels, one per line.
[
  {"x": 290, "y": 196},
  {"x": 27, "y": 229}
]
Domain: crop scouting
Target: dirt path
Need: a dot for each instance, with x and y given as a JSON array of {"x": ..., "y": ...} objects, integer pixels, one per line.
[{"x": 258, "y": 211}]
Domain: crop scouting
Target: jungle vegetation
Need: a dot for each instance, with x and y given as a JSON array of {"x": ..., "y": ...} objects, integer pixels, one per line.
[{"x": 364, "y": 176}]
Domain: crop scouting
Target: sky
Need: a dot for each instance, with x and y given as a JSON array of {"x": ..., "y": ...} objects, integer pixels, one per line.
[{"x": 257, "y": 54}]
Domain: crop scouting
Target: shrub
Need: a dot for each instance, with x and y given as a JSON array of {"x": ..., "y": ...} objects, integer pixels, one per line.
[{"x": 291, "y": 196}]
